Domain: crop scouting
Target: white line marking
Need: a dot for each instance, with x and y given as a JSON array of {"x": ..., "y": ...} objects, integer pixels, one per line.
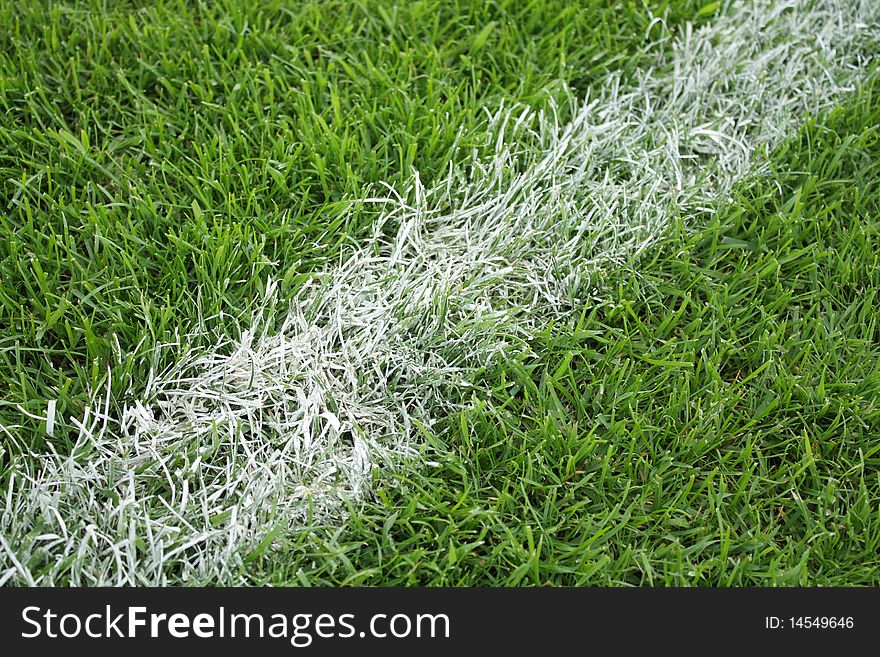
[{"x": 284, "y": 422}]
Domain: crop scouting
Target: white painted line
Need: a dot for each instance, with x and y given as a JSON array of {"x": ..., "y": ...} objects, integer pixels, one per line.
[{"x": 291, "y": 418}]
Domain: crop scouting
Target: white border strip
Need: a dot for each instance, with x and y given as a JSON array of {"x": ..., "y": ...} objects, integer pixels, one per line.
[{"x": 263, "y": 432}]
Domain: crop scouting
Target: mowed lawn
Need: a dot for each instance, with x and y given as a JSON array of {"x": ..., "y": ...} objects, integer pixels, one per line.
[{"x": 712, "y": 419}]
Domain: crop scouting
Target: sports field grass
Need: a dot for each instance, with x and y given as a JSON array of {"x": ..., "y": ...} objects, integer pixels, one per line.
[{"x": 705, "y": 411}]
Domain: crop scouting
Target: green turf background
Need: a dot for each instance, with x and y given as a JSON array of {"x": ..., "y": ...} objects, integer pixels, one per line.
[{"x": 715, "y": 420}]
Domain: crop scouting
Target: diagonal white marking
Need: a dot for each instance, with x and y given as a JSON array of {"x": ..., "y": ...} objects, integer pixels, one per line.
[{"x": 288, "y": 421}]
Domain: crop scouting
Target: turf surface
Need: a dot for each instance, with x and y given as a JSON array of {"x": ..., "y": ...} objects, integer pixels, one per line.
[
  {"x": 156, "y": 164},
  {"x": 715, "y": 420}
]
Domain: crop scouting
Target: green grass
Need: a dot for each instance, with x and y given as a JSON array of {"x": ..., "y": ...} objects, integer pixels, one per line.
[
  {"x": 715, "y": 420},
  {"x": 157, "y": 161}
]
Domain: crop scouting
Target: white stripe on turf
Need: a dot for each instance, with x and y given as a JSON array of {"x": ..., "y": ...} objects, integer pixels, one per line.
[{"x": 288, "y": 421}]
